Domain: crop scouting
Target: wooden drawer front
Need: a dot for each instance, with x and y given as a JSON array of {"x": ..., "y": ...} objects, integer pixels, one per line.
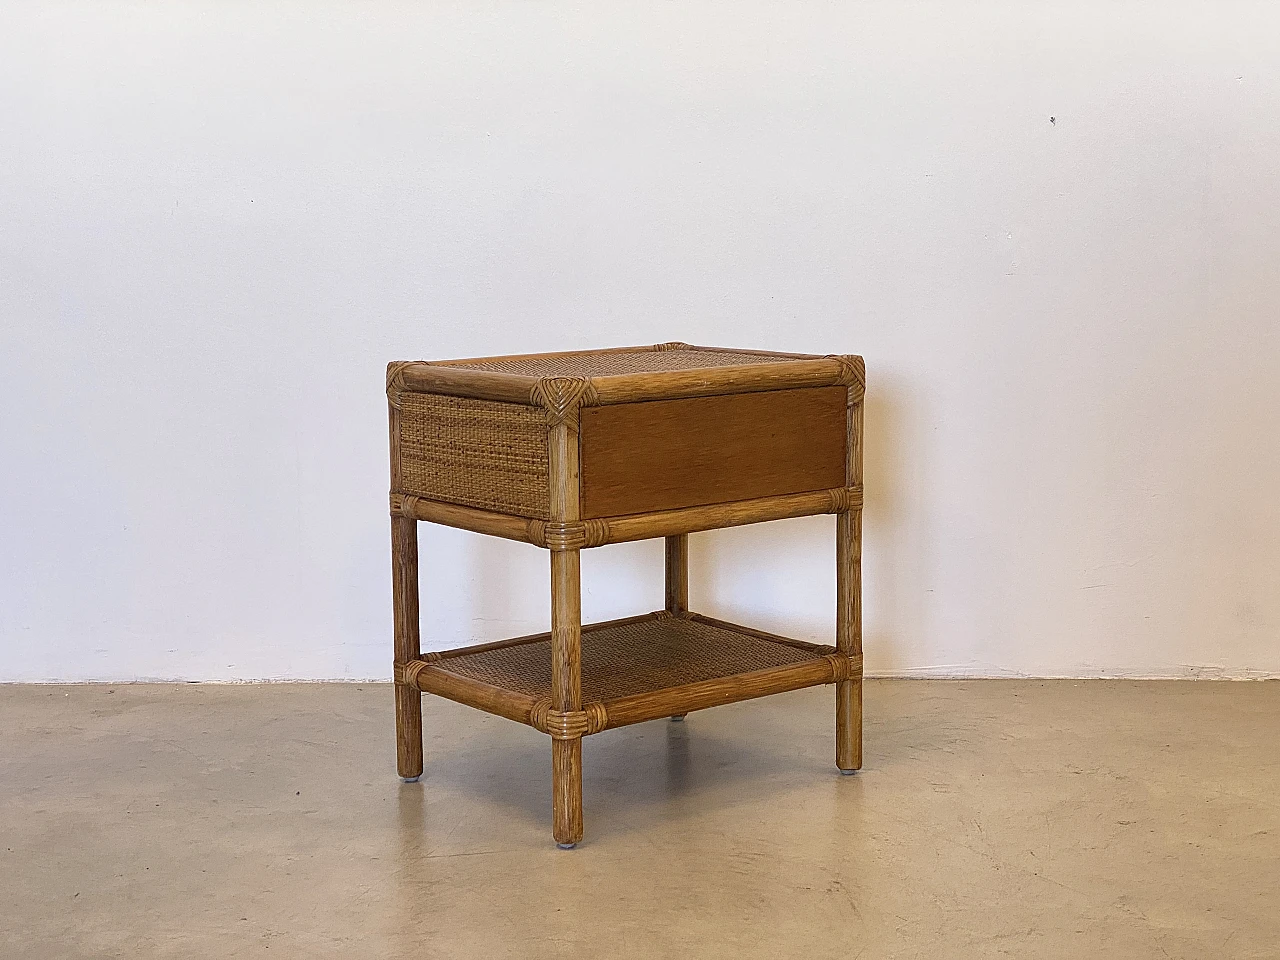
[{"x": 669, "y": 454}]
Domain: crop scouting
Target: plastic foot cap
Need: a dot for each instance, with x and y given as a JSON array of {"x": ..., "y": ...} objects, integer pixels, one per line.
[
  {"x": 411, "y": 779},
  {"x": 678, "y": 718},
  {"x": 848, "y": 773},
  {"x": 566, "y": 846}
]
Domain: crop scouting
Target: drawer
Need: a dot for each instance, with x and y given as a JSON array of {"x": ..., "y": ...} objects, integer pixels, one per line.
[{"x": 670, "y": 454}]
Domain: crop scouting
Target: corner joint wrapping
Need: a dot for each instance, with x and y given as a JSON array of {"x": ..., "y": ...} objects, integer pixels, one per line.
[
  {"x": 844, "y": 666},
  {"x": 395, "y": 381},
  {"x": 844, "y": 498},
  {"x": 568, "y": 724},
  {"x": 562, "y": 397},
  {"x": 568, "y": 535}
]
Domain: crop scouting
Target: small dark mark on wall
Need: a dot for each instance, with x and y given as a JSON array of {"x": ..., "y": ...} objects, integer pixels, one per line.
[{"x": 1054, "y": 121}]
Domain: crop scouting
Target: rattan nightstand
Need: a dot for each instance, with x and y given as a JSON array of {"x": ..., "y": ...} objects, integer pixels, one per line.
[{"x": 575, "y": 450}]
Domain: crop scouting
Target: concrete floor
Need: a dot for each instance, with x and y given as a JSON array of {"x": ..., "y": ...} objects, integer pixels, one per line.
[{"x": 993, "y": 818}]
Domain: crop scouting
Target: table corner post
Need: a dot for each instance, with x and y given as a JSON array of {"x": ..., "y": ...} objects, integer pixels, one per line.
[
  {"x": 849, "y": 594},
  {"x": 677, "y": 574},
  {"x": 563, "y": 399},
  {"x": 407, "y": 644}
]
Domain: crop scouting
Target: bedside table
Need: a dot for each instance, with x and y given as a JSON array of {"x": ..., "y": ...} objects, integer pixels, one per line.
[{"x": 575, "y": 450}]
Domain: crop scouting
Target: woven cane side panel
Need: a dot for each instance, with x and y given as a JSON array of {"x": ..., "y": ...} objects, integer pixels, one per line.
[
  {"x": 631, "y": 658},
  {"x": 611, "y": 364},
  {"x": 478, "y": 453}
]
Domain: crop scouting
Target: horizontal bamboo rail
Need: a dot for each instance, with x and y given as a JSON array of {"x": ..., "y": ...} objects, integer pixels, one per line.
[
  {"x": 464, "y": 518},
  {"x": 716, "y": 693},
  {"x": 716, "y": 381},
  {"x": 667, "y": 523},
  {"x": 598, "y": 532},
  {"x": 428, "y": 677},
  {"x": 422, "y": 377}
]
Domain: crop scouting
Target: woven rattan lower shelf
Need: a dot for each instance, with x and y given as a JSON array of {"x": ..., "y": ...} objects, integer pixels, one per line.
[{"x": 632, "y": 670}]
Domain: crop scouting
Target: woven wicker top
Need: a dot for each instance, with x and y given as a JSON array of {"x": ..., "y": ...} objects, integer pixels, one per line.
[
  {"x": 611, "y": 363},
  {"x": 622, "y": 659}
]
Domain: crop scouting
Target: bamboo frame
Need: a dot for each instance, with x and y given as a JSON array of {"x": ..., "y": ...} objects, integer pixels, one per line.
[
  {"x": 566, "y": 635},
  {"x": 677, "y": 574},
  {"x": 404, "y": 593},
  {"x": 559, "y": 710},
  {"x": 849, "y": 602},
  {"x": 784, "y": 375},
  {"x": 677, "y": 580},
  {"x": 606, "y": 530}
]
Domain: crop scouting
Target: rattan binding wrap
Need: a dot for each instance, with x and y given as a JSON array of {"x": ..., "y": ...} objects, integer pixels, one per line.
[
  {"x": 478, "y": 453},
  {"x": 607, "y": 364},
  {"x": 624, "y": 659}
]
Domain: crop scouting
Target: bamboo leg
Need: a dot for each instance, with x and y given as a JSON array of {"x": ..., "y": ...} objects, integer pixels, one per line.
[
  {"x": 566, "y": 693},
  {"x": 404, "y": 593},
  {"x": 678, "y": 581},
  {"x": 678, "y": 574},
  {"x": 849, "y": 608},
  {"x": 849, "y": 640}
]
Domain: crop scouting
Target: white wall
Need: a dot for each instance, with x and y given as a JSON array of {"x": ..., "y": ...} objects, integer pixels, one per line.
[{"x": 218, "y": 220}]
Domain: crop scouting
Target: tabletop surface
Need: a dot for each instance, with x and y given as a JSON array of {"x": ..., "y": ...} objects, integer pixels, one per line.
[{"x": 606, "y": 363}]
